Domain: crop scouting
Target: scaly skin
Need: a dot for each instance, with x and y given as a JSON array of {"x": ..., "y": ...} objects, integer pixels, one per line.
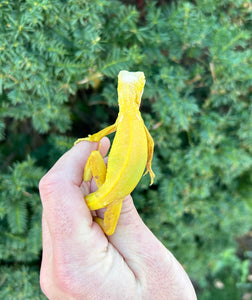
[{"x": 131, "y": 152}]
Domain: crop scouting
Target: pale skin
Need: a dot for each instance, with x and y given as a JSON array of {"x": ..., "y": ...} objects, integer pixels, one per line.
[{"x": 81, "y": 262}]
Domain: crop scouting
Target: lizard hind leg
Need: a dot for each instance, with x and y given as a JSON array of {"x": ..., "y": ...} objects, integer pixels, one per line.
[{"x": 96, "y": 168}]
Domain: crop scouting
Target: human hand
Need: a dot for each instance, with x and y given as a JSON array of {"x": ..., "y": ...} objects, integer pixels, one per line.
[{"x": 81, "y": 262}]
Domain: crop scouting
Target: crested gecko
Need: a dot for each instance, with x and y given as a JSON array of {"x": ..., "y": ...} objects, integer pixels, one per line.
[{"x": 130, "y": 153}]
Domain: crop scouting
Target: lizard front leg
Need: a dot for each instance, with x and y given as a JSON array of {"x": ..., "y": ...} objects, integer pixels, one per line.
[
  {"x": 150, "y": 145},
  {"x": 99, "y": 135}
]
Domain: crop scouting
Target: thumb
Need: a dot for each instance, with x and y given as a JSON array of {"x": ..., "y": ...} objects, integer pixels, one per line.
[
  {"x": 131, "y": 233},
  {"x": 147, "y": 257},
  {"x": 129, "y": 220}
]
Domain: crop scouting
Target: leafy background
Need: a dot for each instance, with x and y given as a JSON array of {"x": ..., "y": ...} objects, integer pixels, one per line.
[{"x": 59, "y": 62}]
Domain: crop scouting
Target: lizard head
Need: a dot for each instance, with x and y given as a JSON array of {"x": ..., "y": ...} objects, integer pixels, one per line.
[{"x": 130, "y": 86}]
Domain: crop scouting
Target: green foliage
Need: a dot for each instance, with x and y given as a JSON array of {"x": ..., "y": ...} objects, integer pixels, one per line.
[
  {"x": 228, "y": 263},
  {"x": 20, "y": 283},
  {"x": 20, "y": 231},
  {"x": 20, "y": 213},
  {"x": 59, "y": 64}
]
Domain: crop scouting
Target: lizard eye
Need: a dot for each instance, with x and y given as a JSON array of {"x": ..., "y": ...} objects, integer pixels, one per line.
[
  {"x": 139, "y": 97},
  {"x": 139, "y": 87}
]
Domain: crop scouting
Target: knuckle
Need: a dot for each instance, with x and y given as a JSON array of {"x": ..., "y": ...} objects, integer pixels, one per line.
[{"x": 47, "y": 185}]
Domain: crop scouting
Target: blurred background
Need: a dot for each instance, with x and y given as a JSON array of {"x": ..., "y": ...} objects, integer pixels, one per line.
[{"x": 59, "y": 62}]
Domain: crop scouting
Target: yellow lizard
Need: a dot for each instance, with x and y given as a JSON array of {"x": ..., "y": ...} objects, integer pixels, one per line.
[{"x": 131, "y": 151}]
